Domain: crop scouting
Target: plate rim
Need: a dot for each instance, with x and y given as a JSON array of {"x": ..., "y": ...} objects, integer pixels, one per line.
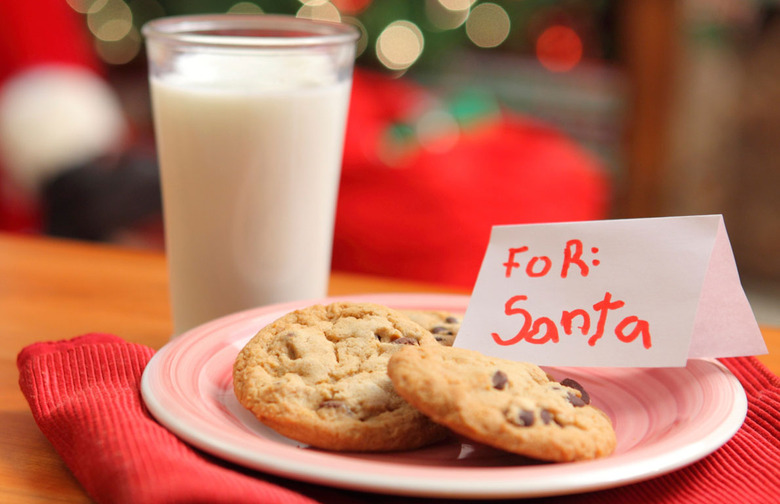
[{"x": 574, "y": 482}]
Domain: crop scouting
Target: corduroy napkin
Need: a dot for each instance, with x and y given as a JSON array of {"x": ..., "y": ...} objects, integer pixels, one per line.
[{"x": 84, "y": 394}]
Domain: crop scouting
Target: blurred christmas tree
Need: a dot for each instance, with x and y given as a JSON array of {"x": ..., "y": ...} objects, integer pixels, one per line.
[
  {"x": 398, "y": 35},
  {"x": 550, "y": 59}
]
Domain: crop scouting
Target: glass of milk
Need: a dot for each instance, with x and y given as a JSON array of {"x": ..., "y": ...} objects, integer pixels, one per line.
[{"x": 249, "y": 116}]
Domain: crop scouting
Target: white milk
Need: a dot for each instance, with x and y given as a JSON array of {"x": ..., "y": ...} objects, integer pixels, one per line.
[{"x": 249, "y": 179}]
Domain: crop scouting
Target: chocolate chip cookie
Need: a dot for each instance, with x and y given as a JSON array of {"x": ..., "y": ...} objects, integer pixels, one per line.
[
  {"x": 509, "y": 405},
  {"x": 319, "y": 376},
  {"x": 442, "y": 324}
]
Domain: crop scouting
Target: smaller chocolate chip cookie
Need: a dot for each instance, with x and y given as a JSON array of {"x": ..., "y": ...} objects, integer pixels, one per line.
[
  {"x": 319, "y": 376},
  {"x": 442, "y": 324},
  {"x": 509, "y": 405}
]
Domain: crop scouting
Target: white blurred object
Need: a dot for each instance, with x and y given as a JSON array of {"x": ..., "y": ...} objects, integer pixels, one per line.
[{"x": 54, "y": 117}]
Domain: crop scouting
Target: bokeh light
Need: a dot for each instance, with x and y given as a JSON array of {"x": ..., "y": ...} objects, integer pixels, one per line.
[
  {"x": 399, "y": 45},
  {"x": 457, "y": 5},
  {"x": 245, "y": 8},
  {"x": 110, "y": 21},
  {"x": 559, "y": 48},
  {"x": 447, "y": 14},
  {"x": 119, "y": 52},
  {"x": 488, "y": 25},
  {"x": 83, "y": 6},
  {"x": 362, "y": 42},
  {"x": 321, "y": 10}
]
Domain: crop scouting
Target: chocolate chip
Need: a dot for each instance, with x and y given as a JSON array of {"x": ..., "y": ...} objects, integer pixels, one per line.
[
  {"x": 289, "y": 346},
  {"x": 575, "y": 400},
  {"x": 405, "y": 341},
  {"x": 440, "y": 330},
  {"x": 500, "y": 380},
  {"x": 568, "y": 382},
  {"x": 336, "y": 405},
  {"x": 546, "y": 416},
  {"x": 451, "y": 320},
  {"x": 525, "y": 418}
]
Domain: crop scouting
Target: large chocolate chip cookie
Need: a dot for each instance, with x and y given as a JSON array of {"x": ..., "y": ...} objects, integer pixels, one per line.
[
  {"x": 319, "y": 376},
  {"x": 509, "y": 405}
]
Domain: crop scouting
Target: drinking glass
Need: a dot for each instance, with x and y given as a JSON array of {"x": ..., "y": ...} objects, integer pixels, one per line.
[{"x": 249, "y": 116}]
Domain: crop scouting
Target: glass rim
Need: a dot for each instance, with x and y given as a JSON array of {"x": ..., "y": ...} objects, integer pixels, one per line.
[{"x": 248, "y": 31}]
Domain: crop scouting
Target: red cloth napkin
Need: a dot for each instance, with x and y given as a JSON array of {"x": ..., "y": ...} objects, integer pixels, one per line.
[{"x": 84, "y": 394}]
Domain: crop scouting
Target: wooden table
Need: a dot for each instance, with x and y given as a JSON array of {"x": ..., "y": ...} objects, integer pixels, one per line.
[{"x": 54, "y": 289}]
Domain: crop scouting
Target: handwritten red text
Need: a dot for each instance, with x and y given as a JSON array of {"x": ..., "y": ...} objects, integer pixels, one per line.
[
  {"x": 543, "y": 330},
  {"x": 540, "y": 265}
]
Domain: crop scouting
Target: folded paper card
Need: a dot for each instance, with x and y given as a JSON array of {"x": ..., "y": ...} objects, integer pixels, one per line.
[{"x": 634, "y": 292}]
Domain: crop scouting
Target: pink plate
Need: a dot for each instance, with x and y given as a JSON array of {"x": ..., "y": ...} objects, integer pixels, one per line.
[{"x": 665, "y": 418}]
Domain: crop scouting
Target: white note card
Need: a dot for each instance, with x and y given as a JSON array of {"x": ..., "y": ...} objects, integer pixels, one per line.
[{"x": 633, "y": 292}]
